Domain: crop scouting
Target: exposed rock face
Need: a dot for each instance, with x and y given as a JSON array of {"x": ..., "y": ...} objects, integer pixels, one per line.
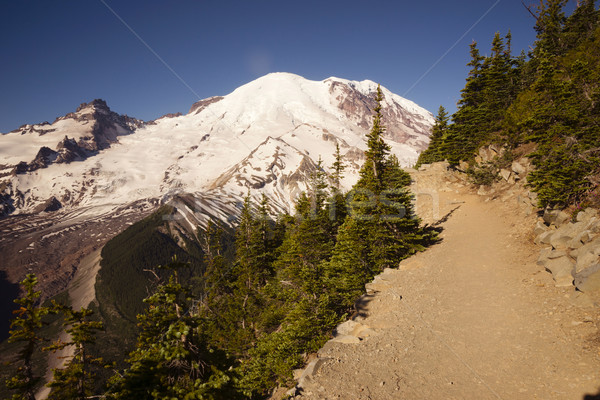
[
  {"x": 400, "y": 125},
  {"x": 104, "y": 127},
  {"x": 202, "y": 104},
  {"x": 52, "y": 204}
]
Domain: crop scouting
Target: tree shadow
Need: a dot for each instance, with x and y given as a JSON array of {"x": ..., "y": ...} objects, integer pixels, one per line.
[
  {"x": 439, "y": 222},
  {"x": 360, "y": 306},
  {"x": 8, "y": 293},
  {"x": 592, "y": 396}
]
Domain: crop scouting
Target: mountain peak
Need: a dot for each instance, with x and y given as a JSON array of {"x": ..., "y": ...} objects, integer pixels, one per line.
[{"x": 94, "y": 104}]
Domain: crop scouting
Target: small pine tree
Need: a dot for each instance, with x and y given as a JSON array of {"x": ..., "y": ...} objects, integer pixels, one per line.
[
  {"x": 434, "y": 152},
  {"x": 338, "y": 168},
  {"x": 76, "y": 379},
  {"x": 25, "y": 330}
]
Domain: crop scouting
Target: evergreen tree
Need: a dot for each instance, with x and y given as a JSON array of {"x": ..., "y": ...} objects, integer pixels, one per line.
[
  {"x": 76, "y": 379},
  {"x": 464, "y": 134},
  {"x": 371, "y": 173},
  {"x": 382, "y": 227},
  {"x": 549, "y": 24},
  {"x": 25, "y": 330},
  {"x": 170, "y": 359},
  {"x": 338, "y": 168},
  {"x": 434, "y": 152}
]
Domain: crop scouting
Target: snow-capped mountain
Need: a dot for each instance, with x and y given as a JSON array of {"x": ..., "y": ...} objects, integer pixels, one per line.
[
  {"x": 66, "y": 188},
  {"x": 265, "y": 135}
]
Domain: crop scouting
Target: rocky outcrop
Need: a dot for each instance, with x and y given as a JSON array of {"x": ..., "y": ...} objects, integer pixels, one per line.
[
  {"x": 52, "y": 204},
  {"x": 202, "y": 104}
]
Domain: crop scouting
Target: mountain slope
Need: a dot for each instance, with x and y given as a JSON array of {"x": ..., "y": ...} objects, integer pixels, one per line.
[
  {"x": 189, "y": 153},
  {"x": 71, "y": 185}
]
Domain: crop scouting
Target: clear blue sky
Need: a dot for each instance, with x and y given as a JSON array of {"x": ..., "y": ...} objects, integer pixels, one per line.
[{"x": 58, "y": 54}]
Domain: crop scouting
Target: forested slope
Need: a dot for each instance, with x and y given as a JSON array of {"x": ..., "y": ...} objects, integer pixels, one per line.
[{"x": 548, "y": 99}]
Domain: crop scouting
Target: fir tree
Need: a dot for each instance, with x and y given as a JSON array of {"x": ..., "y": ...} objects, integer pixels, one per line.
[
  {"x": 25, "y": 329},
  {"x": 371, "y": 173},
  {"x": 434, "y": 152},
  {"x": 338, "y": 168},
  {"x": 76, "y": 379},
  {"x": 170, "y": 359}
]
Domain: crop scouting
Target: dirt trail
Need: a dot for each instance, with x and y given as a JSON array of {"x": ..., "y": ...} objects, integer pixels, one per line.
[{"x": 473, "y": 317}]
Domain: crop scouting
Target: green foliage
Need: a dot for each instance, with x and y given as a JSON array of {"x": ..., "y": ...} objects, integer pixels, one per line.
[
  {"x": 434, "y": 152},
  {"x": 170, "y": 358},
  {"x": 76, "y": 379},
  {"x": 551, "y": 100},
  {"x": 25, "y": 330}
]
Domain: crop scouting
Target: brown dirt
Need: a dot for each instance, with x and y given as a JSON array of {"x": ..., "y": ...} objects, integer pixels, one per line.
[{"x": 473, "y": 317}]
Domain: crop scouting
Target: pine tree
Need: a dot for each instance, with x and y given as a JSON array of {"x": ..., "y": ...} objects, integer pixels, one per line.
[
  {"x": 170, "y": 359},
  {"x": 549, "y": 24},
  {"x": 25, "y": 329},
  {"x": 371, "y": 173},
  {"x": 338, "y": 168},
  {"x": 76, "y": 379},
  {"x": 382, "y": 226},
  {"x": 434, "y": 152},
  {"x": 464, "y": 134}
]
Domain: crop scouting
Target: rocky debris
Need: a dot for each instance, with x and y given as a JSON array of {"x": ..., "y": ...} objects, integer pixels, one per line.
[
  {"x": 488, "y": 154},
  {"x": 574, "y": 248}
]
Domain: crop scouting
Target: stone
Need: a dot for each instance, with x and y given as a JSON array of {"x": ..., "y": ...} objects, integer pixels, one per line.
[
  {"x": 540, "y": 228},
  {"x": 587, "y": 255},
  {"x": 544, "y": 238},
  {"x": 346, "y": 339},
  {"x": 556, "y": 217},
  {"x": 587, "y": 214},
  {"x": 352, "y": 328},
  {"x": 581, "y": 239},
  {"x": 311, "y": 369},
  {"x": 505, "y": 174},
  {"x": 559, "y": 239},
  {"x": 518, "y": 169},
  {"x": 561, "y": 270},
  {"x": 588, "y": 280},
  {"x": 50, "y": 205}
]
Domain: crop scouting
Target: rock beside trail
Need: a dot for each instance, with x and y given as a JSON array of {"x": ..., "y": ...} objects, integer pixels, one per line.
[{"x": 578, "y": 245}]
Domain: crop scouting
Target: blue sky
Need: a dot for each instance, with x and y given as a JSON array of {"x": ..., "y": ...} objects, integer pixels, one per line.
[{"x": 58, "y": 54}]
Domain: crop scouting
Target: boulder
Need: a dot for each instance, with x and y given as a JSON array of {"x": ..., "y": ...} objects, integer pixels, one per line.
[
  {"x": 52, "y": 204},
  {"x": 580, "y": 239},
  {"x": 540, "y": 228},
  {"x": 549, "y": 254},
  {"x": 588, "y": 280},
  {"x": 518, "y": 168},
  {"x": 587, "y": 255},
  {"x": 559, "y": 239},
  {"x": 505, "y": 174},
  {"x": 587, "y": 214},
  {"x": 560, "y": 268},
  {"x": 311, "y": 369},
  {"x": 544, "y": 238},
  {"x": 556, "y": 217}
]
